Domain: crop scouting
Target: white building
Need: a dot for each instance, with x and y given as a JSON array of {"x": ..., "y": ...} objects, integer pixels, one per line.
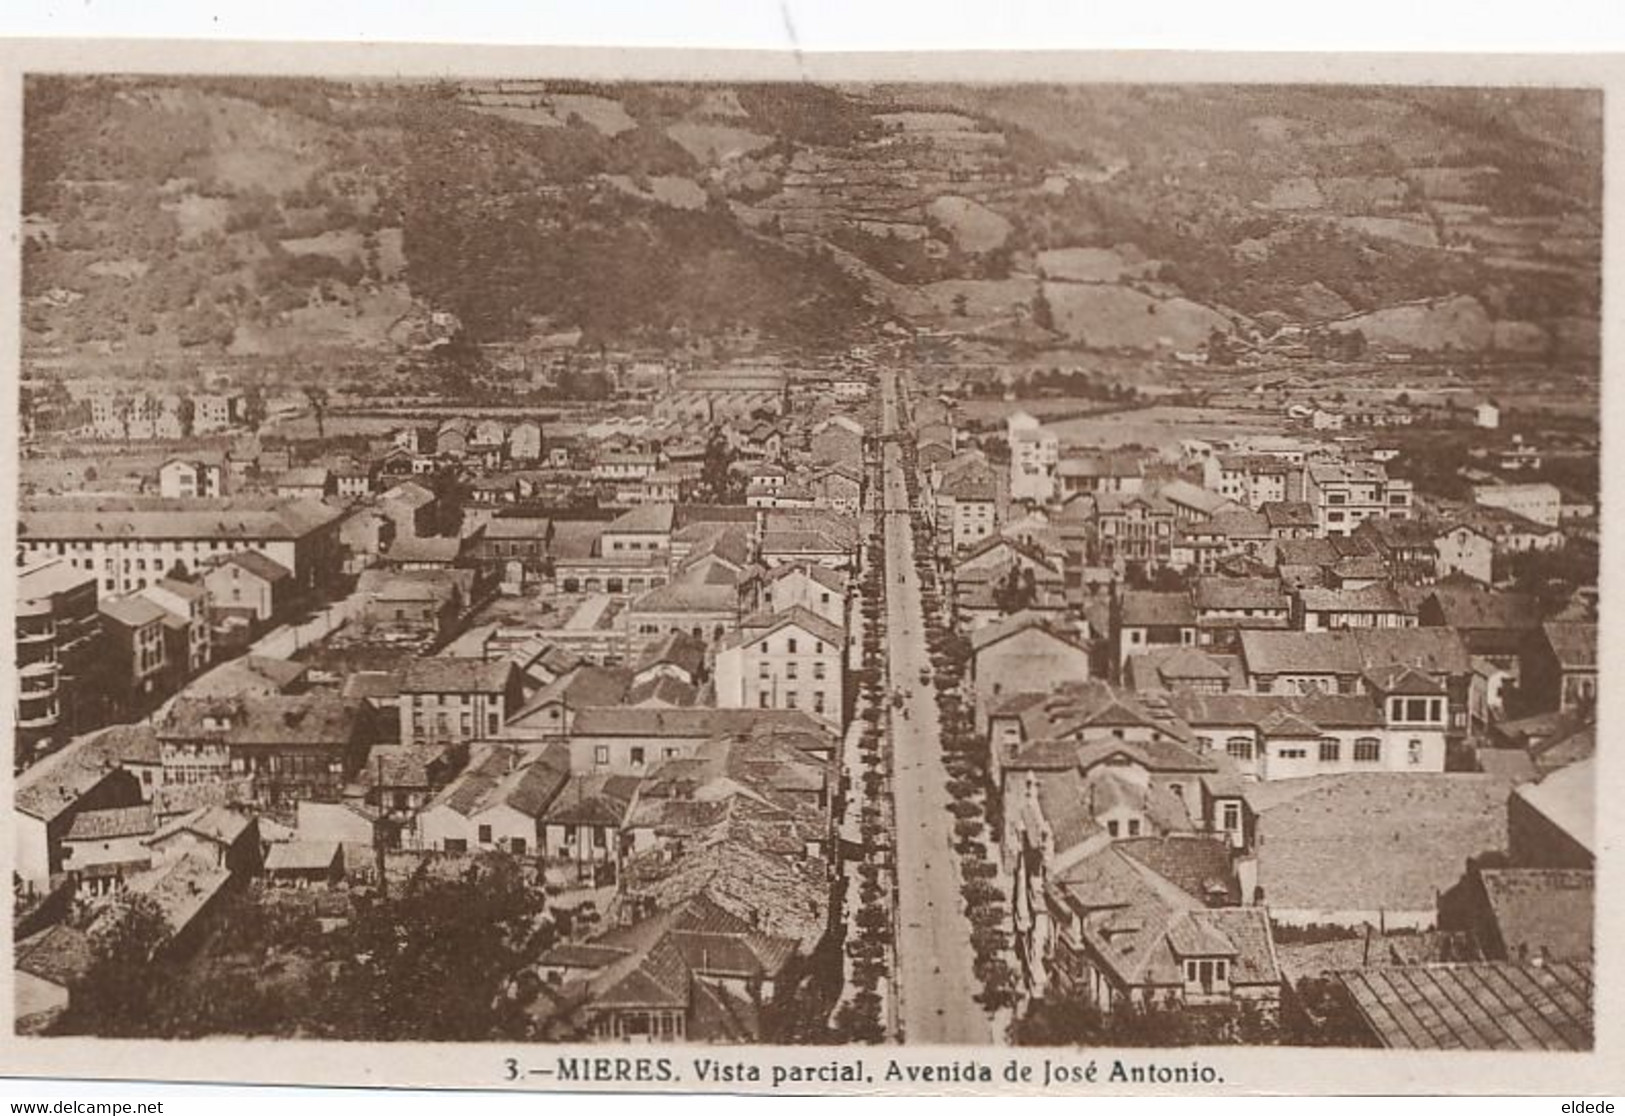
[
  {"x": 1034, "y": 453},
  {"x": 1346, "y": 494},
  {"x": 788, "y": 660},
  {"x": 1536, "y": 501}
]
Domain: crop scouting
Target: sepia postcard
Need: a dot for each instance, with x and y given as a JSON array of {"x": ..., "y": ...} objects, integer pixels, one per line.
[{"x": 552, "y": 570}]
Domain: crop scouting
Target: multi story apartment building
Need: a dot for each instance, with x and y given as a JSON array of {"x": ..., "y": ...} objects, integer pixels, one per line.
[
  {"x": 1346, "y": 494},
  {"x": 1034, "y": 453},
  {"x": 60, "y": 680},
  {"x": 1133, "y": 528},
  {"x": 967, "y": 507},
  {"x": 453, "y": 701},
  {"x": 788, "y": 660},
  {"x": 133, "y": 542}
]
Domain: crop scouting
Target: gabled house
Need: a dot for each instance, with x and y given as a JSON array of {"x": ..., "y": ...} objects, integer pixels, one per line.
[
  {"x": 1024, "y": 652},
  {"x": 789, "y": 660}
]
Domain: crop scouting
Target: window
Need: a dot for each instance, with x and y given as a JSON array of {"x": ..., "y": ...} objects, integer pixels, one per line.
[
  {"x": 763, "y": 700},
  {"x": 456, "y": 845},
  {"x": 598, "y": 837},
  {"x": 1367, "y": 749},
  {"x": 1331, "y": 750},
  {"x": 1134, "y": 827},
  {"x": 637, "y": 757},
  {"x": 1413, "y": 752},
  {"x": 1239, "y": 747},
  {"x": 790, "y": 645},
  {"x": 1111, "y": 828},
  {"x": 1294, "y": 753},
  {"x": 789, "y": 670},
  {"x": 763, "y": 671},
  {"x": 818, "y": 671},
  {"x": 600, "y": 755},
  {"x": 1232, "y": 817},
  {"x": 789, "y": 699},
  {"x": 493, "y": 723},
  {"x": 485, "y": 835},
  {"x": 818, "y": 701}
]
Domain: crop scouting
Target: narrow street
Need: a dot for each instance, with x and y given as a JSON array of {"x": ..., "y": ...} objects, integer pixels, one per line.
[{"x": 935, "y": 979}]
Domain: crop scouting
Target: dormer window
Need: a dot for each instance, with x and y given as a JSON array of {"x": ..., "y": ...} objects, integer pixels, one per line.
[{"x": 1207, "y": 975}]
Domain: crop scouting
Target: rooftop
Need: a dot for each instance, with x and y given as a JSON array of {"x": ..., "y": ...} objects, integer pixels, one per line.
[
  {"x": 111, "y": 518},
  {"x": 441, "y": 675},
  {"x": 1478, "y": 1006},
  {"x": 1371, "y": 841}
]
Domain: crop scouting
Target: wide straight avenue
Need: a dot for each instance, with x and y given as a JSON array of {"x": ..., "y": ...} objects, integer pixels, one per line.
[{"x": 935, "y": 980}]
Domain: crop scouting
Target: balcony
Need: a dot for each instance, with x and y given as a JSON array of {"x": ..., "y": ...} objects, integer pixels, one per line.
[
  {"x": 37, "y": 677},
  {"x": 33, "y": 718},
  {"x": 31, "y": 634}
]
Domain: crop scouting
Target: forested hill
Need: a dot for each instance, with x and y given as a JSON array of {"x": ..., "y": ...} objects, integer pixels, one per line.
[{"x": 249, "y": 215}]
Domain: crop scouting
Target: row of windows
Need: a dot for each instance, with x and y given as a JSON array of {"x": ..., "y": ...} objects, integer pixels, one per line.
[
  {"x": 765, "y": 670},
  {"x": 636, "y": 755},
  {"x": 791, "y": 700},
  {"x": 442, "y": 724},
  {"x": 792, "y": 646},
  {"x": 1367, "y": 749}
]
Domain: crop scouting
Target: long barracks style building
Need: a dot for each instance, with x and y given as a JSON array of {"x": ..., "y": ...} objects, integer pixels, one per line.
[{"x": 130, "y": 543}]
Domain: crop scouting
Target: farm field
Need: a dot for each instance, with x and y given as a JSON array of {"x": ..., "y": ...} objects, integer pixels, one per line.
[{"x": 1161, "y": 427}]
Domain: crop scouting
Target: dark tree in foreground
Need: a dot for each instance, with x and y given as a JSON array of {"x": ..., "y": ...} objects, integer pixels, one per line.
[
  {"x": 124, "y": 983},
  {"x": 435, "y": 962}
]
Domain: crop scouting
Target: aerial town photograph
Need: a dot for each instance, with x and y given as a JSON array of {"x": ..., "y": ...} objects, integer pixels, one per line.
[{"x": 807, "y": 564}]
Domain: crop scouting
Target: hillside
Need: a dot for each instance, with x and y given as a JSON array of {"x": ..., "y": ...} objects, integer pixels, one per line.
[{"x": 241, "y": 216}]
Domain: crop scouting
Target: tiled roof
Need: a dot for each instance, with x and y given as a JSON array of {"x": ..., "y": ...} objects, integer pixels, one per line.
[
  {"x": 518, "y": 527},
  {"x": 1370, "y": 598},
  {"x": 56, "y": 783},
  {"x": 301, "y": 856},
  {"x": 60, "y": 954},
  {"x": 1196, "y": 865},
  {"x": 1573, "y": 642},
  {"x": 1466, "y": 607},
  {"x": 133, "y": 611},
  {"x": 1228, "y": 593},
  {"x": 308, "y": 720},
  {"x": 662, "y": 689},
  {"x": 601, "y": 800},
  {"x": 1192, "y": 495},
  {"x": 50, "y": 578},
  {"x": 155, "y": 517},
  {"x": 105, "y": 825},
  {"x": 1478, "y": 1006},
  {"x": 1542, "y": 912},
  {"x": 250, "y": 674},
  {"x": 695, "y": 722},
  {"x": 216, "y": 823},
  {"x": 503, "y": 775},
  {"x": 1288, "y": 513},
  {"x": 762, "y": 625},
  {"x": 1007, "y": 626},
  {"x": 1373, "y": 841},
  {"x": 1432, "y": 650},
  {"x": 424, "y": 549},
  {"x": 645, "y": 519},
  {"x": 442, "y": 675},
  {"x": 267, "y": 569},
  {"x": 1146, "y": 609},
  {"x": 688, "y": 596}
]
